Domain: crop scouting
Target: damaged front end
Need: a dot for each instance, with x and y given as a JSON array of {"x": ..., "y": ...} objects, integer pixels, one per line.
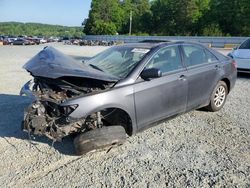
[
  {"x": 39, "y": 121},
  {"x": 46, "y": 116},
  {"x": 57, "y": 79}
]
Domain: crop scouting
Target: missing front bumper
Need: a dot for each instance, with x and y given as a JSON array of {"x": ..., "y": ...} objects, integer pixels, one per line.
[{"x": 38, "y": 122}]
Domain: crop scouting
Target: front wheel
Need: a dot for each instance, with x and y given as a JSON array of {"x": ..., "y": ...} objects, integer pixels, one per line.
[
  {"x": 99, "y": 139},
  {"x": 218, "y": 97}
]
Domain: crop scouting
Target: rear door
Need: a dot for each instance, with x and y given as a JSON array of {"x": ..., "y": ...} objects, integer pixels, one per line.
[
  {"x": 161, "y": 97},
  {"x": 202, "y": 74}
]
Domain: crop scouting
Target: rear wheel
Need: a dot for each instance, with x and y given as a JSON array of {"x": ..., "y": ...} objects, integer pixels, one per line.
[
  {"x": 99, "y": 139},
  {"x": 218, "y": 97}
]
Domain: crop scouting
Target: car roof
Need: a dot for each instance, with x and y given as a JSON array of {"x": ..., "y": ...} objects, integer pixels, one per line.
[
  {"x": 140, "y": 45},
  {"x": 154, "y": 43},
  {"x": 151, "y": 44}
]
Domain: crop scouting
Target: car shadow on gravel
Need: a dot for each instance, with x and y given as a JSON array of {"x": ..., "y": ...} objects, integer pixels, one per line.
[
  {"x": 12, "y": 113},
  {"x": 243, "y": 75}
]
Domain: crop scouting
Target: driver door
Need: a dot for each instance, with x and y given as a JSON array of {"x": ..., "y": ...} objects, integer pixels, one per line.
[{"x": 162, "y": 97}]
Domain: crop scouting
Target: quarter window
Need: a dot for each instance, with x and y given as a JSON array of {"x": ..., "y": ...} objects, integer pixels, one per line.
[
  {"x": 211, "y": 57},
  {"x": 166, "y": 59}
]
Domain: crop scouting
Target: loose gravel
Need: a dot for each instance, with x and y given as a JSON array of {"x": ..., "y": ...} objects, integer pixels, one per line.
[{"x": 197, "y": 149}]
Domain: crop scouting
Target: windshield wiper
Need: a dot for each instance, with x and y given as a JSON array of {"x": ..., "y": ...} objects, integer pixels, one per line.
[{"x": 95, "y": 67}]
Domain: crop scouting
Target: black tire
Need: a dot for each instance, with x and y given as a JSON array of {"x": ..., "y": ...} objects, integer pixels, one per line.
[
  {"x": 99, "y": 139},
  {"x": 213, "y": 105}
]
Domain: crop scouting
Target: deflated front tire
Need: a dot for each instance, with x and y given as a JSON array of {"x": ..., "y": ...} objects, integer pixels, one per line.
[{"x": 99, "y": 139}]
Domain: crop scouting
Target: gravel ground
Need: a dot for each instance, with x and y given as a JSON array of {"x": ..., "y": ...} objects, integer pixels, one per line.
[{"x": 197, "y": 149}]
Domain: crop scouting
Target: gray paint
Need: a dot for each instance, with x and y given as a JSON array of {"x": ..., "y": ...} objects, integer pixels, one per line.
[{"x": 150, "y": 101}]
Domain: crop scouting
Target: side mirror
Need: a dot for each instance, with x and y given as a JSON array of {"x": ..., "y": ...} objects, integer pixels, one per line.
[{"x": 151, "y": 73}]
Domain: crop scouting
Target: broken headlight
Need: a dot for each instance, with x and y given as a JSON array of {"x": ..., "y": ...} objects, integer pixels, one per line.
[
  {"x": 67, "y": 110},
  {"x": 55, "y": 110}
]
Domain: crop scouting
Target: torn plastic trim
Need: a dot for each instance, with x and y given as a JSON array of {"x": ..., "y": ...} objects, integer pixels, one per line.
[{"x": 26, "y": 90}]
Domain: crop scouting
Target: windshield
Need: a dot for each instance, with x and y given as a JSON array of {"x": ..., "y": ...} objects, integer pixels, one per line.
[
  {"x": 117, "y": 61},
  {"x": 245, "y": 45}
]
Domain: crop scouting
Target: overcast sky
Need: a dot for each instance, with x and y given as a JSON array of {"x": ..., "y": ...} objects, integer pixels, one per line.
[{"x": 60, "y": 12}]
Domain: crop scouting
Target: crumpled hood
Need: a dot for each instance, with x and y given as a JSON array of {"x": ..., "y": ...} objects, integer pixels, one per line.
[
  {"x": 51, "y": 63},
  {"x": 242, "y": 53}
]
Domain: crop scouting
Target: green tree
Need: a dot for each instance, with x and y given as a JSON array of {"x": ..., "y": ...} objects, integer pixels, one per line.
[
  {"x": 232, "y": 16},
  {"x": 105, "y": 17},
  {"x": 141, "y": 16},
  {"x": 36, "y": 29},
  {"x": 170, "y": 17},
  {"x": 178, "y": 17},
  {"x": 245, "y": 8},
  {"x": 112, "y": 16}
]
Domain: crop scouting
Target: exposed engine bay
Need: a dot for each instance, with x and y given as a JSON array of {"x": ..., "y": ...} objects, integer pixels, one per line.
[{"x": 45, "y": 116}]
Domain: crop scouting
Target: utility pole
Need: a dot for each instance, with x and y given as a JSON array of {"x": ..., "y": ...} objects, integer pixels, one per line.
[{"x": 130, "y": 22}]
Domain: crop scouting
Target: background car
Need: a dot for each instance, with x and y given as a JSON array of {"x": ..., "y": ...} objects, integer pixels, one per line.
[
  {"x": 241, "y": 55},
  {"x": 43, "y": 40},
  {"x": 33, "y": 40},
  {"x": 21, "y": 41}
]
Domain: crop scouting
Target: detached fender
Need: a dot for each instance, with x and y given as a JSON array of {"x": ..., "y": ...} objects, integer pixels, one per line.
[{"x": 122, "y": 98}]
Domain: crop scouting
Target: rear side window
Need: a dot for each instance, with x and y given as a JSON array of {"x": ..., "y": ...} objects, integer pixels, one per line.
[
  {"x": 166, "y": 59},
  {"x": 194, "y": 55}
]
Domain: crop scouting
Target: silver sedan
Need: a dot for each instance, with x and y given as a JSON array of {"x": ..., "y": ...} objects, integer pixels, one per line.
[{"x": 241, "y": 55}]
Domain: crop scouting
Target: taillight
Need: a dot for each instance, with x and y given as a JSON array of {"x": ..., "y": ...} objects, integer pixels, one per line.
[{"x": 234, "y": 64}]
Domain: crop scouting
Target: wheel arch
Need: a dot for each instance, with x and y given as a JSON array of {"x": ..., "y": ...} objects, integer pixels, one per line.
[
  {"x": 117, "y": 116},
  {"x": 227, "y": 81},
  {"x": 121, "y": 117}
]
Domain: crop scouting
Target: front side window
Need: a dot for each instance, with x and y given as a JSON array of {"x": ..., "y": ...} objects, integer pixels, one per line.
[{"x": 166, "y": 59}]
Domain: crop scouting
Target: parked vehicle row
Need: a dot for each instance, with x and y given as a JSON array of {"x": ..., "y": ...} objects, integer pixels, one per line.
[
  {"x": 90, "y": 42},
  {"x": 25, "y": 40},
  {"x": 98, "y": 43}
]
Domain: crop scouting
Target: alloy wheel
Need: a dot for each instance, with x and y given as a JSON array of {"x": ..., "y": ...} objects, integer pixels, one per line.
[{"x": 220, "y": 96}]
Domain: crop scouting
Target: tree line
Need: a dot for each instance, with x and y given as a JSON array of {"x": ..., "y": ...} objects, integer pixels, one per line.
[
  {"x": 37, "y": 29},
  {"x": 169, "y": 17}
]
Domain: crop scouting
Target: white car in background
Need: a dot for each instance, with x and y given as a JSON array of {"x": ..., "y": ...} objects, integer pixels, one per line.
[
  {"x": 42, "y": 40},
  {"x": 241, "y": 55}
]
